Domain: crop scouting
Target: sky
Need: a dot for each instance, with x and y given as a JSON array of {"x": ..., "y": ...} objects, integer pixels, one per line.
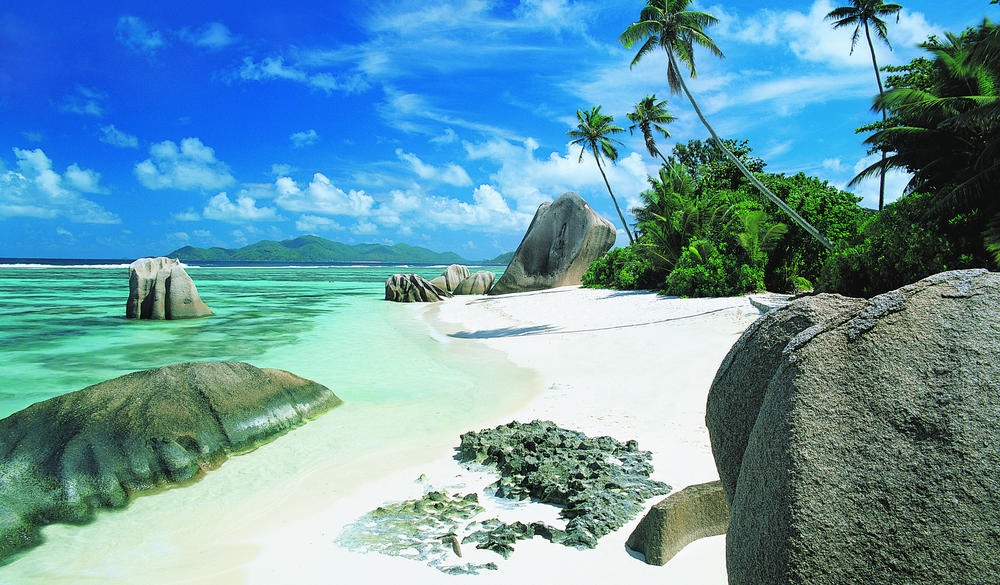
[{"x": 133, "y": 129}]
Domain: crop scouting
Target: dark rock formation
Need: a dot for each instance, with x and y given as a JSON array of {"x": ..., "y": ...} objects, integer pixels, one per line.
[
  {"x": 697, "y": 511},
  {"x": 742, "y": 380},
  {"x": 479, "y": 283},
  {"x": 600, "y": 483},
  {"x": 412, "y": 288},
  {"x": 159, "y": 288},
  {"x": 873, "y": 457},
  {"x": 564, "y": 237},
  {"x": 451, "y": 277},
  {"x": 66, "y": 457}
]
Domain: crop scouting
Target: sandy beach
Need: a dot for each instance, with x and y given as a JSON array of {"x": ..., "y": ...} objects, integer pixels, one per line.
[{"x": 624, "y": 364}]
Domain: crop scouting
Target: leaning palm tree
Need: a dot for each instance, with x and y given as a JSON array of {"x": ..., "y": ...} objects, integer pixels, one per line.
[
  {"x": 594, "y": 133},
  {"x": 649, "y": 115},
  {"x": 668, "y": 24},
  {"x": 867, "y": 14}
]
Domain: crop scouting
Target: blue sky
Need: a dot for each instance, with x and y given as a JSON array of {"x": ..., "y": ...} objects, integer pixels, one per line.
[{"x": 131, "y": 129}]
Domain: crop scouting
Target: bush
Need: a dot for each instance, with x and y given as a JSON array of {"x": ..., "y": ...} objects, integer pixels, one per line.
[{"x": 623, "y": 269}]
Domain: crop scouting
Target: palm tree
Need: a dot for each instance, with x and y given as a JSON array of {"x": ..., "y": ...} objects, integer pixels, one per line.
[
  {"x": 867, "y": 14},
  {"x": 648, "y": 115},
  {"x": 668, "y": 24},
  {"x": 594, "y": 133}
]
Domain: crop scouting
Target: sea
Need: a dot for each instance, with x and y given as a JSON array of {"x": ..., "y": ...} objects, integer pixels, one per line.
[{"x": 406, "y": 386}]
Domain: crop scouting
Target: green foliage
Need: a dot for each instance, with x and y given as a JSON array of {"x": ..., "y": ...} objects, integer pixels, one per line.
[
  {"x": 898, "y": 246},
  {"x": 624, "y": 269},
  {"x": 711, "y": 168}
]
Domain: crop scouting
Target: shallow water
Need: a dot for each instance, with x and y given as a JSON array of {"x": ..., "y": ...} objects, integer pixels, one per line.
[{"x": 405, "y": 391}]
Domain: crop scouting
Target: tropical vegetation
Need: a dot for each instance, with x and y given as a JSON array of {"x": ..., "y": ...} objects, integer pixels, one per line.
[{"x": 707, "y": 224}]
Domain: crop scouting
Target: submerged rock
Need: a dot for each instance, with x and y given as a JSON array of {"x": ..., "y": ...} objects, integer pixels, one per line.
[
  {"x": 412, "y": 288},
  {"x": 872, "y": 456},
  {"x": 159, "y": 288},
  {"x": 63, "y": 459},
  {"x": 564, "y": 237}
]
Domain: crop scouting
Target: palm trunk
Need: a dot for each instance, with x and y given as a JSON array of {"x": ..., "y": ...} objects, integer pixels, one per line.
[
  {"x": 615, "y": 201},
  {"x": 760, "y": 186},
  {"x": 881, "y": 90}
]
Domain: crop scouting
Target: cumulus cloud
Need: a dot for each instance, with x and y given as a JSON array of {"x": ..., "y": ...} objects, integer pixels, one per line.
[
  {"x": 212, "y": 36},
  {"x": 304, "y": 138},
  {"x": 190, "y": 166},
  {"x": 239, "y": 210},
  {"x": 322, "y": 196},
  {"x": 137, "y": 35},
  {"x": 36, "y": 190},
  {"x": 311, "y": 224},
  {"x": 451, "y": 173},
  {"x": 115, "y": 137},
  {"x": 85, "y": 101}
]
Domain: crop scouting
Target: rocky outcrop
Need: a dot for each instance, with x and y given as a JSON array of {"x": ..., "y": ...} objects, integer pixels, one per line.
[
  {"x": 564, "y": 237},
  {"x": 479, "y": 283},
  {"x": 412, "y": 288},
  {"x": 697, "y": 511},
  {"x": 66, "y": 457},
  {"x": 742, "y": 380},
  {"x": 873, "y": 455},
  {"x": 451, "y": 277},
  {"x": 159, "y": 288}
]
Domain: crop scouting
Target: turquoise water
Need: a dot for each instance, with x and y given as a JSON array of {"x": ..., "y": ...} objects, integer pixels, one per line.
[{"x": 63, "y": 328}]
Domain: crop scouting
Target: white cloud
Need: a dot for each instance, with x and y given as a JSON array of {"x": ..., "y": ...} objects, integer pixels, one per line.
[
  {"x": 213, "y": 36},
  {"x": 134, "y": 33},
  {"x": 304, "y": 138},
  {"x": 275, "y": 68},
  {"x": 450, "y": 174},
  {"x": 36, "y": 190},
  {"x": 115, "y": 137},
  {"x": 311, "y": 224},
  {"x": 242, "y": 209},
  {"x": 321, "y": 196},
  {"x": 191, "y": 166},
  {"x": 85, "y": 102}
]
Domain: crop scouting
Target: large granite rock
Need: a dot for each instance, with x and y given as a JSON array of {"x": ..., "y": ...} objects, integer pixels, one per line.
[
  {"x": 479, "y": 283},
  {"x": 66, "y": 457},
  {"x": 564, "y": 237},
  {"x": 873, "y": 457},
  {"x": 697, "y": 511},
  {"x": 451, "y": 277},
  {"x": 413, "y": 288},
  {"x": 159, "y": 288},
  {"x": 742, "y": 380}
]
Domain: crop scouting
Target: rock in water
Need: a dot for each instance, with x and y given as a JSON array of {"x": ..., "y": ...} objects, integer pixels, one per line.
[
  {"x": 479, "y": 283},
  {"x": 451, "y": 277},
  {"x": 563, "y": 239},
  {"x": 412, "y": 288},
  {"x": 159, "y": 288},
  {"x": 66, "y": 457},
  {"x": 873, "y": 457},
  {"x": 697, "y": 511}
]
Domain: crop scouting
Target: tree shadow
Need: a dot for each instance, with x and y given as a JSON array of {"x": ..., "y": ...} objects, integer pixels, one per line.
[{"x": 504, "y": 332}]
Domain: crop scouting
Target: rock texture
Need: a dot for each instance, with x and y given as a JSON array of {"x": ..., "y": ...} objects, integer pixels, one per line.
[
  {"x": 159, "y": 288},
  {"x": 742, "y": 380},
  {"x": 412, "y": 288},
  {"x": 479, "y": 283},
  {"x": 697, "y": 511},
  {"x": 873, "y": 457},
  {"x": 564, "y": 237},
  {"x": 451, "y": 277},
  {"x": 66, "y": 457}
]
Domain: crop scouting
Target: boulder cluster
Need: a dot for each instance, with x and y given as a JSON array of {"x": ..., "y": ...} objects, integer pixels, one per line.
[
  {"x": 455, "y": 280},
  {"x": 160, "y": 288},
  {"x": 857, "y": 439}
]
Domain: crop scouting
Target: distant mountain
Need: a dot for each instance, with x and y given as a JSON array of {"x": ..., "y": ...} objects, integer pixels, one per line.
[
  {"x": 501, "y": 260},
  {"x": 317, "y": 249}
]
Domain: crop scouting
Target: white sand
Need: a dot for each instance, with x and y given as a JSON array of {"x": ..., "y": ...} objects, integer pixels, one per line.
[{"x": 629, "y": 365}]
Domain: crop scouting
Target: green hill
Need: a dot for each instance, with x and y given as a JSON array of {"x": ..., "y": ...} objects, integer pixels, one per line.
[{"x": 317, "y": 249}]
